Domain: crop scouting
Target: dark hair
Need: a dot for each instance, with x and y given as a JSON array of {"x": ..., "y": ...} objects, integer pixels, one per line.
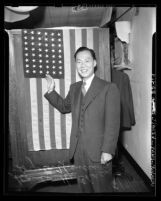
[{"x": 81, "y": 49}]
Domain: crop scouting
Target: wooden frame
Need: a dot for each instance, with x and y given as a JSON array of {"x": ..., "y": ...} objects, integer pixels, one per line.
[{"x": 27, "y": 175}]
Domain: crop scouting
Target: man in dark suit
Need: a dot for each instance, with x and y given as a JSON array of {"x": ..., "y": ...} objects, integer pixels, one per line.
[{"x": 95, "y": 107}]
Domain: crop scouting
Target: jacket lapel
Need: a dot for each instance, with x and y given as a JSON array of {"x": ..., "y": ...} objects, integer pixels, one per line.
[
  {"x": 77, "y": 99},
  {"x": 94, "y": 90}
]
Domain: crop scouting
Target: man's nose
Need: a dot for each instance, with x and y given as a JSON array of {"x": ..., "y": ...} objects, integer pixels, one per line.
[{"x": 82, "y": 64}]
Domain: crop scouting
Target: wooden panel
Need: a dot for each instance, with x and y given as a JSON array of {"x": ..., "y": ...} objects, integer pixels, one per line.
[
  {"x": 17, "y": 101},
  {"x": 13, "y": 124}
]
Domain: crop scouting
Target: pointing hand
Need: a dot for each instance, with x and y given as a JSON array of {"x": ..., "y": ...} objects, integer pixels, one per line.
[{"x": 50, "y": 83}]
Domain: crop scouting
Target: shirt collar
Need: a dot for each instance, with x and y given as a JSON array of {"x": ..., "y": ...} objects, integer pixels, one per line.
[{"x": 88, "y": 82}]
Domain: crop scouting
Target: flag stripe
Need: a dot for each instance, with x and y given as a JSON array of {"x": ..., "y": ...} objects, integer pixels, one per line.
[
  {"x": 72, "y": 50},
  {"x": 84, "y": 37},
  {"x": 67, "y": 80},
  {"x": 96, "y": 48},
  {"x": 78, "y": 43},
  {"x": 57, "y": 116},
  {"x": 52, "y": 126},
  {"x": 89, "y": 38},
  {"x": 63, "y": 128},
  {"x": 34, "y": 114},
  {"x": 28, "y": 115},
  {"x": 45, "y": 117},
  {"x": 40, "y": 113}
]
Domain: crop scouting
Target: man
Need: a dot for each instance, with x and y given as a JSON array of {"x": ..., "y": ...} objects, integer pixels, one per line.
[{"x": 95, "y": 107}]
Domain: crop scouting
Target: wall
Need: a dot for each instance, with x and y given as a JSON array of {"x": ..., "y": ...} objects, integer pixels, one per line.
[{"x": 138, "y": 140}]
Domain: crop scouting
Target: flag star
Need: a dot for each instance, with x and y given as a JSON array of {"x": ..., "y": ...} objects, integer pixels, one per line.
[
  {"x": 26, "y": 54},
  {"x": 33, "y": 60},
  {"x": 26, "y": 43},
  {"x": 32, "y": 38},
  {"x": 52, "y": 39},
  {"x": 40, "y": 71},
  {"x": 59, "y": 50},
  {"x": 32, "y": 32},
  {"x": 39, "y": 38},
  {"x": 34, "y": 66},
  {"x": 26, "y": 60},
  {"x": 54, "y": 72},
  {"x": 46, "y": 50},
  {"x": 47, "y": 61},
  {"x": 59, "y": 39},
  {"x": 33, "y": 49},
  {"x": 60, "y": 56},
  {"x": 53, "y": 67},
  {"x": 25, "y": 37},
  {"x": 40, "y": 66},
  {"x": 53, "y": 50},
  {"x": 46, "y": 44},
  {"x": 59, "y": 34},
  {"x": 47, "y": 72},
  {"x": 53, "y": 56},
  {"x": 46, "y": 39},
  {"x": 38, "y": 32},
  {"x": 39, "y": 44},
  {"x": 33, "y": 54},
  {"x": 47, "y": 66},
  {"x": 60, "y": 72},
  {"x": 59, "y": 45},
  {"x": 40, "y": 61},
  {"x": 60, "y": 67},
  {"x": 60, "y": 61},
  {"x": 26, "y": 48},
  {"x": 52, "y": 45},
  {"x": 40, "y": 55},
  {"x": 25, "y": 31},
  {"x": 46, "y": 33},
  {"x": 52, "y": 34},
  {"x": 27, "y": 65},
  {"x": 46, "y": 55},
  {"x": 34, "y": 71},
  {"x": 27, "y": 71},
  {"x": 40, "y": 49},
  {"x": 32, "y": 43},
  {"x": 53, "y": 61}
]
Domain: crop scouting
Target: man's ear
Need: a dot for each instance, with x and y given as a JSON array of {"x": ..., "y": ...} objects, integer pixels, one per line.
[{"x": 95, "y": 63}]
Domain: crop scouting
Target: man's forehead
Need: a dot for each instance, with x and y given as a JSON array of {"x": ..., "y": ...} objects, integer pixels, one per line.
[{"x": 85, "y": 53}]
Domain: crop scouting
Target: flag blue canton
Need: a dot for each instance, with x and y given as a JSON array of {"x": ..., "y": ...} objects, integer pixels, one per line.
[{"x": 43, "y": 53}]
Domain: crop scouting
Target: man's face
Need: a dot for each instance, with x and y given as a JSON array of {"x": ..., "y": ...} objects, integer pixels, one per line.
[{"x": 85, "y": 64}]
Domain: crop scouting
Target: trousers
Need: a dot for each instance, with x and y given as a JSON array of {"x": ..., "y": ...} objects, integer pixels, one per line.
[{"x": 92, "y": 177}]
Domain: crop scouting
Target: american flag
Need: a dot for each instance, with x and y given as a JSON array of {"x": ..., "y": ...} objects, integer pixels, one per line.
[
  {"x": 43, "y": 53},
  {"x": 44, "y": 126}
]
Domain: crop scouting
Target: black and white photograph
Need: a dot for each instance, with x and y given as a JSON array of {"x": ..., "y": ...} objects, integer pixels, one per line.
[{"x": 81, "y": 100}]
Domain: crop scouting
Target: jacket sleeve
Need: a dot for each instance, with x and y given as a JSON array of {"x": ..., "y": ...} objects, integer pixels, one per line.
[
  {"x": 112, "y": 120},
  {"x": 63, "y": 105}
]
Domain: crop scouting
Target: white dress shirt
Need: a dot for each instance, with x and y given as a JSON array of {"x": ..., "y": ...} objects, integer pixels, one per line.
[{"x": 88, "y": 82}]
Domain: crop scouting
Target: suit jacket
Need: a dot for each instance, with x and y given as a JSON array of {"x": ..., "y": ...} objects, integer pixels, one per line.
[
  {"x": 122, "y": 81},
  {"x": 101, "y": 116}
]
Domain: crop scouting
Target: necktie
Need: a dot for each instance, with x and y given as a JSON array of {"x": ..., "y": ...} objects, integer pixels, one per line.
[{"x": 83, "y": 88}]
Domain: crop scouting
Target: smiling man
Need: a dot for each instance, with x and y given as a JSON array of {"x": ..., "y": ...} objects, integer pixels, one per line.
[{"x": 95, "y": 107}]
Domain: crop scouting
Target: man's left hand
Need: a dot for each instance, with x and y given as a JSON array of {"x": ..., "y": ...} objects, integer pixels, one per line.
[{"x": 105, "y": 157}]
